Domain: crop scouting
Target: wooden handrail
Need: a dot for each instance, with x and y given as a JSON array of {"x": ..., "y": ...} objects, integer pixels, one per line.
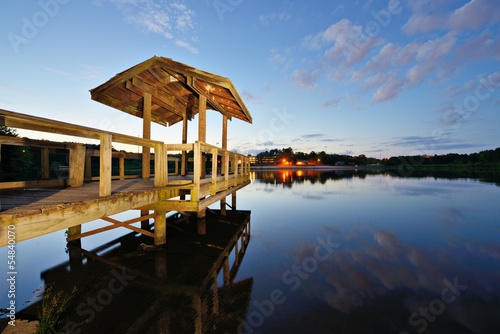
[
  {"x": 35, "y": 123},
  {"x": 239, "y": 167}
]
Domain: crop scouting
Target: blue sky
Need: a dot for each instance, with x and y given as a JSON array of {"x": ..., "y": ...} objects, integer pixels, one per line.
[{"x": 380, "y": 78}]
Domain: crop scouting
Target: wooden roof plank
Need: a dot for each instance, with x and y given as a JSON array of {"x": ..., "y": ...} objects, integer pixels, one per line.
[{"x": 175, "y": 88}]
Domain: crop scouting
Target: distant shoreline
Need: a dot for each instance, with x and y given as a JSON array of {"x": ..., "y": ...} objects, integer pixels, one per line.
[{"x": 308, "y": 167}]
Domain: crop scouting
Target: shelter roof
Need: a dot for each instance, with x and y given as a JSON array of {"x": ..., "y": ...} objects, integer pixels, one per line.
[{"x": 175, "y": 89}]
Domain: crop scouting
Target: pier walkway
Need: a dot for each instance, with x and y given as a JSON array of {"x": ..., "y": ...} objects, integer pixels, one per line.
[{"x": 182, "y": 177}]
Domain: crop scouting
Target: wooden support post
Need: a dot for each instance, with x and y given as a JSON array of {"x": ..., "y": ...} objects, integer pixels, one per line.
[
  {"x": 145, "y": 222},
  {"x": 202, "y": 121},
  {"x": 224, "y": 145},
  {"x": 88, "y": 168},
  {"x": 160, "y": 235},
  {"x": 215, "y": 157},
  {"x": 233, "y": 200},
  {"x": 225, "y": 167},
  {"x": 202, "y": 222},
  {"x": 105, "y": 167},
  {"x": 122, "y": 166},
  {"x": 236, "y": 163},
  {"x": 161, "y": 167},
  {"x": 224, "y": 132},
  {"x": 202, "y": 130},
  {"x": 75, "y": 255},
  {"x": 77, "y": 165},
  {"x": 45, "y": 163},
  {"x": 223, "y": 206},
  {"x": 195, "y": 192},
  {"x": 74, "y": 231},
  {"x": 146, "y": 134},
  {"x": 184, "y": 141}
]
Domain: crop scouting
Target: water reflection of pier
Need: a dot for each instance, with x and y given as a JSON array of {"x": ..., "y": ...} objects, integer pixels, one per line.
[{"x": 124, "y": 288}]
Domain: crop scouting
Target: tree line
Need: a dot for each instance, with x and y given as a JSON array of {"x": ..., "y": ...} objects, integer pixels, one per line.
[{"x": 288, "y": 156}]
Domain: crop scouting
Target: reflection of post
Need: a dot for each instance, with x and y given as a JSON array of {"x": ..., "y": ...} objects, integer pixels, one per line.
[
  {"x": 145, "y": 222},
  {"x": 75, "y": 255},
  {"x": 223, "y": 206},
  {"x": 236, "y": 254},
  {"x": 215, "y": 309},
  {"x": 227, "y": 274},
  {"x": 161, "y": 265},
  {"x": 202, "y": 222},
  {"x": 197, "y": 309},
  {"x": 233, "y": 200}
]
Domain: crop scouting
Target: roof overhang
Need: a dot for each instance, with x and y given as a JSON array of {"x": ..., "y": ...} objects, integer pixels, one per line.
[{"x": 175, "y": 89}]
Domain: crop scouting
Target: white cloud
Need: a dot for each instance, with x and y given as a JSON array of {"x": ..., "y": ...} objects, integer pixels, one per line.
[
  {"x": 305, "y": 80},
  {"x": 171, "y": 20},
  {"x": 471, "y": 16}
]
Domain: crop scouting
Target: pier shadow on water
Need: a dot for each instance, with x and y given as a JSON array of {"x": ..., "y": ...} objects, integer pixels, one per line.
[{"x": 186, "y": 286}]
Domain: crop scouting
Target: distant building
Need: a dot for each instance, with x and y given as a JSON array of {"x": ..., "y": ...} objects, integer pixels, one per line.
[
  {"x": 253, "y": 159},
  {"x": 268, "y": 160},
  {"x": 339, "y": 163}
]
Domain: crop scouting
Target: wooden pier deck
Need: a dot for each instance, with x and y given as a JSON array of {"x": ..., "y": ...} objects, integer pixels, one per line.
[{"x": 158, "y": 90}]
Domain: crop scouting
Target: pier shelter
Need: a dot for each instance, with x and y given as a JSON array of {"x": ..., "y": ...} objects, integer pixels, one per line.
[{"x": 182, "y": 177}]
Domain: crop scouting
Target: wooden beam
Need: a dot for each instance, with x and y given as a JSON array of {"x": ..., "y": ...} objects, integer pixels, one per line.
[
  {"x": 184, "y": 141},
  {"x": 146, "y": 134},
  {"x": 195, "y": 193},
  {"x": 77, "y": 165},
  {"x": 158, "y": 96},
  {"x": 202, "y": 120},
  {"x": 198, "y": 88},
  {"x": 115, "y": 225},
  {"x": 224, "y": 132},
  {"x": 45, "y": 163},
  {"x": 105, "y": 164},
  {"x": 160, "y": 232},
  {"x": 74, "y": 232},
  {"x": 217, "y": 197},
  {"x": 161, "y": 166},
  {"x": 215, "y": 157},
  {"x": 34, "y": 184},
  {"x": 23, "y": 121}
]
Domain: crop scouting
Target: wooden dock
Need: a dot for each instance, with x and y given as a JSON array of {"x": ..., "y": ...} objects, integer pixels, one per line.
[{"x": 158, "y": 90}]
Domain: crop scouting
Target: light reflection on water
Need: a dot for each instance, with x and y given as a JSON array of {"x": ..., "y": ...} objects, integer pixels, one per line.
[{"x": 399, "y": 243}]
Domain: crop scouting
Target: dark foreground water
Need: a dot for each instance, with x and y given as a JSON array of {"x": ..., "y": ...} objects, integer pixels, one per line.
[{"x": 329, "y": 252}]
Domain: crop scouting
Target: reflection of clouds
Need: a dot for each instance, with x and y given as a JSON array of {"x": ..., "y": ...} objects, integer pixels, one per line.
[
  {"x": 450, "y": 216},
  {"x": 377, "y": 263},
  {"x": 317, "y": 195},
  {"x": 418, "y": 190},
  {"x": 484, "y": 249}
]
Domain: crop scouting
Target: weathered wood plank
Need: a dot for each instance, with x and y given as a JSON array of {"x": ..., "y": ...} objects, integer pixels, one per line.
[{"x": 105, "y": 165}]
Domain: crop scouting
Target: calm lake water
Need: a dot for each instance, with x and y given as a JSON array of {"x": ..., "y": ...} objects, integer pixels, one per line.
[{"x": 330, "y": 252}]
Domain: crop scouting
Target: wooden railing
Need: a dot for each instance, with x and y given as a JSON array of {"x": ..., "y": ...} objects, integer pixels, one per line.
[
  {"x": 227, "y": 168},
  {"x": 77, "y": 155}
]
